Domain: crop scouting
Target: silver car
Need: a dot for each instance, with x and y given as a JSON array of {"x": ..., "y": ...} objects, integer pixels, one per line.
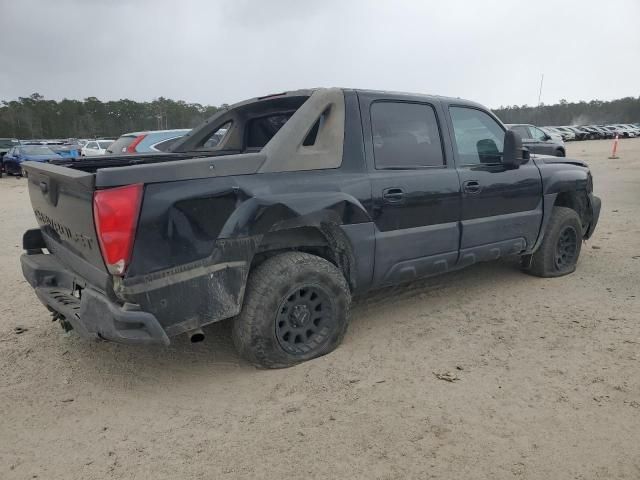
[{"x": 538, "y": 141}]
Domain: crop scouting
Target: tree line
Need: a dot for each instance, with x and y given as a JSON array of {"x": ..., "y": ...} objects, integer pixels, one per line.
[
  {"x": 595, "y": 112},
  {"x": 36, "y": 117}
]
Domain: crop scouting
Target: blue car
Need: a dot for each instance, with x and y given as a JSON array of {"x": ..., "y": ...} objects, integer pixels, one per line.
[
  {"x": 67, "y": 150},
  {"x": 22, "y": 153}
]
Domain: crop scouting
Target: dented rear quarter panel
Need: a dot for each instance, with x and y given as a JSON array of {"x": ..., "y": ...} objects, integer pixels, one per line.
[{"x": 196, "y": 239}]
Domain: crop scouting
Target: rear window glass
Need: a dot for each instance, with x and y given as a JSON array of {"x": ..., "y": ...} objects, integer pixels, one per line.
[
  {"x": 120, "y": 145},
  {"x": 405, "y": 135},
  {"x": 261, "y": 130}
]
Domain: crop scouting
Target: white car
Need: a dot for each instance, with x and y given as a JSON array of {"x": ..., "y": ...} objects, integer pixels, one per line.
[
  {"x": 564, "y": 132},
  {"x": 629, "y": 130},
  {"x": 553, "y": 133},
  {"x": 93, "y": 148}
]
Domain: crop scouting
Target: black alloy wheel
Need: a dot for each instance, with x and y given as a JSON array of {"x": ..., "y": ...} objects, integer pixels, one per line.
[
  {"x": 566, "y": 248},
  {"x": 305, "y": 320}
]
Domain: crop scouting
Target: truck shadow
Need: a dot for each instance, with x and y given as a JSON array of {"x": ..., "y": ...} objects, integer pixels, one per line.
[{"x": 216, "y": 356}]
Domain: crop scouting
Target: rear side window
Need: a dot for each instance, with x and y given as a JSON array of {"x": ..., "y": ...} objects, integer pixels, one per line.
[
  {"x": 121, "y": 144},
  {"x": 261, "y": 130},
  {"x": 405, "y": 135},
  {"x": 217, "y": 136},
  {"x": 479, "y": 138}
]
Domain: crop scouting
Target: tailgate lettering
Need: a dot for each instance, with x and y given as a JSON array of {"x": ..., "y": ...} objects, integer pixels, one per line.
[{"x": 64, "y": 231}]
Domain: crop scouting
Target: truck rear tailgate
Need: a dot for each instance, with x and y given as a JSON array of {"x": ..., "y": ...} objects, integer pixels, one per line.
[{"x": 62, "y": 200}]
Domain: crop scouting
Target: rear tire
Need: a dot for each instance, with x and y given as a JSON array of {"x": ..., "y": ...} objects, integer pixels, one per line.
[
  {"x": 296, "y": 308},
  {"x": 558, "y": 254}
]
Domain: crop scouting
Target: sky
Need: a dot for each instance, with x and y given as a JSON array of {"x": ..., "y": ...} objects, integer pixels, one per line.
[{"x": 223, "y": 51}]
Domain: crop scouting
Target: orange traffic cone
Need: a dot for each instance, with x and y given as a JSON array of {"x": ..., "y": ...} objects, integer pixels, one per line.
[{"x": 615, "y": 149}]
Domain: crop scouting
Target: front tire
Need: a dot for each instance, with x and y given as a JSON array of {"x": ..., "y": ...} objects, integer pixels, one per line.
[
  {"x": 558, "y": 254},
  {"x": 296, "y": 308}
]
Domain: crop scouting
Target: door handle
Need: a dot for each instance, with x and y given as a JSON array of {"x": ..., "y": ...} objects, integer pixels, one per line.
[
  {"x": 471, "y": 186},
  {"x": 393, "y": 195}
]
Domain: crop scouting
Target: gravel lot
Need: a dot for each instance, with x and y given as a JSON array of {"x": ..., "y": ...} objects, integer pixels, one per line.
[{"x": 548, "y": 377}]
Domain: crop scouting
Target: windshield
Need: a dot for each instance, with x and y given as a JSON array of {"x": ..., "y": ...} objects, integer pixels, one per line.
[
  {"x": 104, "y": 144},
  {"x": 37, "y": 150}
]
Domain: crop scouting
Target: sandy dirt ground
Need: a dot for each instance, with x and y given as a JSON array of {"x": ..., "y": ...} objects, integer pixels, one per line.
[{"x": 548, "y": 377}]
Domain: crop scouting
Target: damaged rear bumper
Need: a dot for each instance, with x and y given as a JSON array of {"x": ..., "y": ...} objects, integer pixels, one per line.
[{"x": 90, "y": 313}]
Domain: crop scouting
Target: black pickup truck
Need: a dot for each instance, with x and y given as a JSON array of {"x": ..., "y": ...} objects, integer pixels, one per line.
[{"x": 278, "y": 209}]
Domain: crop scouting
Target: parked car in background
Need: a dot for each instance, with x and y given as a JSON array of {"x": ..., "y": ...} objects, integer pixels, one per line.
[
  {"x": 598, "y": 134},
  {"x": 149, "y": 141},
  {"x": 583, "y": 133},
  {"x": 6, "y": 144},
  {"x": 567, "y": 135},
  {"x": 93, "y": 148},
  {"x": 552, "y": 133},
  {"x": 633, "y": 127},
  {"x": 627, "y": 130},
  {"x": 538, "y": 141},
  {"x": 607, "y": 133},
  {"x": 38, "y": 153},
  {"x": 580, "y": 134},
  {"x": 616, "y": 131}
]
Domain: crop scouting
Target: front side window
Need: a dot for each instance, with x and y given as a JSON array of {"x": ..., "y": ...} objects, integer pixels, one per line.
[
  {"x": 405, "y": 135},
  {"x": 479, "y": 138},
  {"x": 539, "y": 134}
]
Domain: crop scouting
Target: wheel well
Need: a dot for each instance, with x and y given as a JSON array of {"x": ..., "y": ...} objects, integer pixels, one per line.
[
  {"x": 326, "y": 241},
  {"x": 578, "y": 201},
  {"x": 560, "y": 149}
]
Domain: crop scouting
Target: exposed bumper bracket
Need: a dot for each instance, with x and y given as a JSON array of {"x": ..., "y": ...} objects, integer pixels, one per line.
[{"x": 93, "y": 315}]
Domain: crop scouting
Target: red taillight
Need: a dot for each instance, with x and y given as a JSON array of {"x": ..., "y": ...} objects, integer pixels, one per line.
[
  {"x": 132, "y": 146},
  {"x": 115, "y": 211}
]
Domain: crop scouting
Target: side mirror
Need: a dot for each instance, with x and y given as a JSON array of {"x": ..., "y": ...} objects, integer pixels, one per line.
[
  {"x": 546, "y": 137},
  {"x": 513, "y": 154}
]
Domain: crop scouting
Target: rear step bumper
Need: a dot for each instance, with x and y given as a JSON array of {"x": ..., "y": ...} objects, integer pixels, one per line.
[{"x": 93, "y": 315}]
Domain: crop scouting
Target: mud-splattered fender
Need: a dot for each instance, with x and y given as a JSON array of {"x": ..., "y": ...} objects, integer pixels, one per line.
[{"x": 562, "y": 175}]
